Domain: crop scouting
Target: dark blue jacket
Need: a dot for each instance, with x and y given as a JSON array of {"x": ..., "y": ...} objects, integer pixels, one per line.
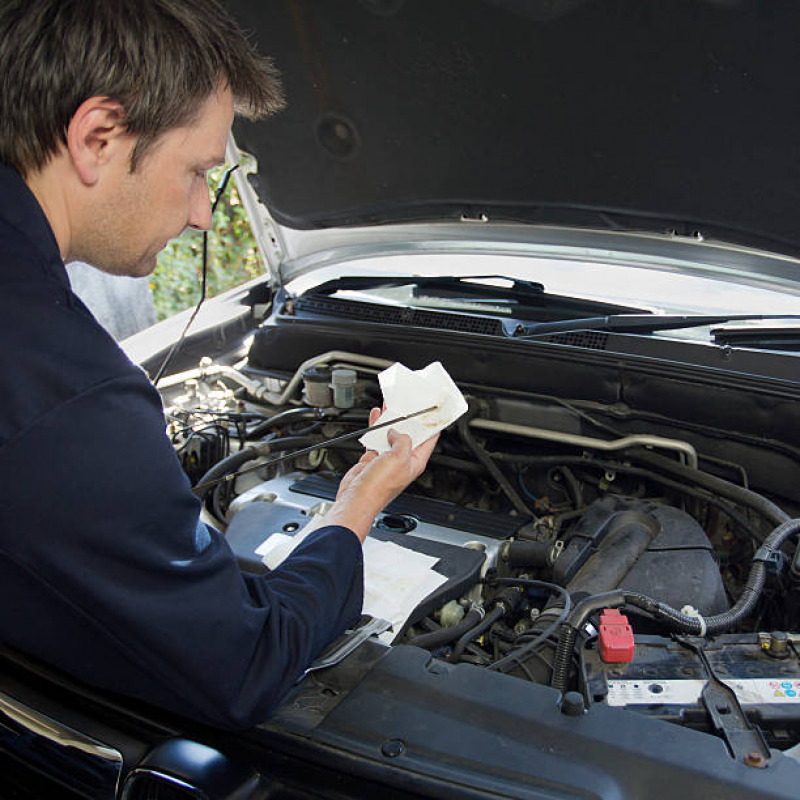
[{"x": 105, "y": 570}]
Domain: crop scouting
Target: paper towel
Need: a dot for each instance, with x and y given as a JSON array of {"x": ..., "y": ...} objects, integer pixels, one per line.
[{"x": 406, "y": 391}]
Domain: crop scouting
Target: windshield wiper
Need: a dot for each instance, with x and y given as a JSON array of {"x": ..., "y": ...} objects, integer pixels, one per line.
[
  {"x": 635, "y": 323},
  {"x": 521, "y": 295}
]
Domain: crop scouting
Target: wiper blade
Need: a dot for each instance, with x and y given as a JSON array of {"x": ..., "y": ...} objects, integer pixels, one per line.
[
  {"x": 463, "y": 284},
  {"x": 636, "y": 323},
  {"x": 519, "y": 295}
]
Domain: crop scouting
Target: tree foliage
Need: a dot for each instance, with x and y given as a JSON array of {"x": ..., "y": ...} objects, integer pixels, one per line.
[{"x": 233, "y": 257}]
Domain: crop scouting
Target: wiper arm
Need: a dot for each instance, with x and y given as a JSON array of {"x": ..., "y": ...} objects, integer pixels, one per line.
[{"x": 635, "y": 323}]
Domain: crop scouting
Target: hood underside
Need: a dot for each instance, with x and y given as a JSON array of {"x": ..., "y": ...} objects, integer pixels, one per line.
[{"x": 614, "y": 114}]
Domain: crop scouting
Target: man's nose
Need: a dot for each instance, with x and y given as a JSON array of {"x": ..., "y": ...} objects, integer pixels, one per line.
[{"x": 200, "y": 209}]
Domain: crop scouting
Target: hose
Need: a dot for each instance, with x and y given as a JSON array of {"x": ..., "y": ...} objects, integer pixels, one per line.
[
  {"x": 353, "y": 415},
  {"x": 625, "y": 469},
  {"x": 234, "y": 461},
  {"x": 695, "y": 625},
  {"x": 766, "y": 508},
  {"x": 443, "y": 636},
  {"x": 491, "y": 467},
  {"x": 495, "y": 614}
]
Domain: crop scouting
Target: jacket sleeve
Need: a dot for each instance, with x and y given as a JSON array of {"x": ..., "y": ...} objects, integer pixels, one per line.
[{"x": 107, "y": 573}]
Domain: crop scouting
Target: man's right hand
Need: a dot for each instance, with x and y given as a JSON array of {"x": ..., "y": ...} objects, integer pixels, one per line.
[{"x": 376, "y": 480}]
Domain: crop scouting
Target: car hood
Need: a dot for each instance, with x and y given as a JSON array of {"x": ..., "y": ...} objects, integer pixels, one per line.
[{"x": 670, "y": 119}]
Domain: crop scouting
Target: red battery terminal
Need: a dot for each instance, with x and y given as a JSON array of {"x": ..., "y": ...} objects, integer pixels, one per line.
[{"x": 615, "y": 639}]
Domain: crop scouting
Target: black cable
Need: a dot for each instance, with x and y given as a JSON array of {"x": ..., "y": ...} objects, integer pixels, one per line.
[
  {"x": 491, "y": 467},
  {"x": 625, "y": 469},
  {"x": 233, "y": 462},
  {"x": 458, "y": 648},
  {"x": 203, "y": 283},
  {"x": 513, "y": 657},
  {"x": 683, "y": 622}
]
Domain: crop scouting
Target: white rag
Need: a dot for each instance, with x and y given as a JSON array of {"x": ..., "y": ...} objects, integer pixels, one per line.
[{"x": 406, "y": 391}]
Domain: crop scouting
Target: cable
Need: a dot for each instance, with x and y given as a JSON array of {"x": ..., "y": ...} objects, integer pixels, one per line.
[
  {"x": 491, "y": 467},
  {"x": 626, "y": 469},
  {"x": 203, "y": 283},
  {"x": 683, "y": 622},
  {"x": 512, "y": 659}
]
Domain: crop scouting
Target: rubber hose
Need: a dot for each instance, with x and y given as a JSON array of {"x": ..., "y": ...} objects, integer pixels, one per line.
[
  {"x": 495, "y": 614},
  {"x": 234, "y": 461},
  {"x": 526, "y": 554},
  {"x": 443, "y": 636},
  {"x": 301, "y": 413},
  {"x": 491, "y": 467},
  {"x": 731, "y": 491},
  {"x": 643, "y": 472},
  {"x": 573, "y": 486}
]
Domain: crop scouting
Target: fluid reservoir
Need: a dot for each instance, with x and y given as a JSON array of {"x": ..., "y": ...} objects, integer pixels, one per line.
[
  {"x": 344, "y": 388},
  {"x": 316, "y": 382}
]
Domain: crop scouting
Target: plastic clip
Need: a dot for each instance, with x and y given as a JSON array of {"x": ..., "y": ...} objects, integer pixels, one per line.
[
  {"x": 691, "y": 611},
  {"x": 773, "y": 560}
]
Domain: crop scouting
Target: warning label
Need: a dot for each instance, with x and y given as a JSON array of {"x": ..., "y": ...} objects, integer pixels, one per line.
[{"x": 749, "y": 691}]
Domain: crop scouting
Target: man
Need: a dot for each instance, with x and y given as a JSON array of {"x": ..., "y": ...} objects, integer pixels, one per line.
[{"x": 111, "y": 113}]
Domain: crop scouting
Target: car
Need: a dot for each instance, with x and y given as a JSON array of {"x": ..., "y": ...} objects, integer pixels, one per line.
[{"x": 586, "y": 212}]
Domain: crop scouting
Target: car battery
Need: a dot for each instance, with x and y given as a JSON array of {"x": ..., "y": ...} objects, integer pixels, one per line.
[{"x": 667, "y": 676}]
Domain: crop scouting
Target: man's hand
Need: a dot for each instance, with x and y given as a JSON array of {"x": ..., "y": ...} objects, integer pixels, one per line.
[{"x": 377, "y": 479}]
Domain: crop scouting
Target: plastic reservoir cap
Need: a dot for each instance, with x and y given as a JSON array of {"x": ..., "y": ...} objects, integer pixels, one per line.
[
  {"x": 343, "y": 384},
  {"x": 344, "y": 377},
  {"x": 615, "y": 637}
]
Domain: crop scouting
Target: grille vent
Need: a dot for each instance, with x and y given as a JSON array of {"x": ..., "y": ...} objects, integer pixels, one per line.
[
  {"x": 594, "y": 340},
  {"x": 395, "y": 315}
]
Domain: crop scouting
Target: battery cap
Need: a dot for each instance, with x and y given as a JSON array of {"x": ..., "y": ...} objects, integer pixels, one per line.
[{"x": 615, "y": 637}]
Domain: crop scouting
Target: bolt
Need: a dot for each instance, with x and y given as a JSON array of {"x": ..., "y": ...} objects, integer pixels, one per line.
[
  {"x": 392, "y": 748},
  {"x": 754, "y": 759}
]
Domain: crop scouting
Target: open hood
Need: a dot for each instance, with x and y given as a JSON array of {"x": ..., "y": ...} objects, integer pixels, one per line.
[{"x": 598, "y": 114}]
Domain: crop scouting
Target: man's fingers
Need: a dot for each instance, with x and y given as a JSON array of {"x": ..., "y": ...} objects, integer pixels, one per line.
[
  {"x": 400, "y": 442},
  {"x": 373, "y": 416}
]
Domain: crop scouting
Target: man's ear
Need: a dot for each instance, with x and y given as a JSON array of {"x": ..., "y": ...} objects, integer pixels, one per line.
[{"x": 96, "y": 134}]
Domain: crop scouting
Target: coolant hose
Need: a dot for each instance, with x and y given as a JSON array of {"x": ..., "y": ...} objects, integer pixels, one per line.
[
  {"x": 458, "y": 648},
  {"x": 443, "y": 636},
  {"x": 683, "y": 622}
]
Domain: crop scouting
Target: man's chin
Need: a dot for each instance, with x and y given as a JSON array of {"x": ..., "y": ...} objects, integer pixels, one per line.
[{"x": 145, "y": 267}]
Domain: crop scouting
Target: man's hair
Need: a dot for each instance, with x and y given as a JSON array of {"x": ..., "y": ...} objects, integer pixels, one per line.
[{"x": 160, "y": 59}]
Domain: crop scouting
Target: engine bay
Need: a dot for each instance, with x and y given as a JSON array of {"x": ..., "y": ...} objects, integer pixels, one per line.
[{"x": 595, "y": 544}]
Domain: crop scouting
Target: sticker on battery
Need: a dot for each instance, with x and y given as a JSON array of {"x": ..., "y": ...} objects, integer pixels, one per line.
[{"x": 749, "y": 691}]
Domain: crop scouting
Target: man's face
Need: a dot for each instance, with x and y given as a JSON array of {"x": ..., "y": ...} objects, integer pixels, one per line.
[{"x": 137, "y": 213}]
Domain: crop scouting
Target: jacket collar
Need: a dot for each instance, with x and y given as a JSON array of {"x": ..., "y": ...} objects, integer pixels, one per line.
[{"x": 20, "y": 210}]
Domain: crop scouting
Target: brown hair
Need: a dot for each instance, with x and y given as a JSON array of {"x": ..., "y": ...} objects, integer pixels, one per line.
[{"x": 160, "y": 59}]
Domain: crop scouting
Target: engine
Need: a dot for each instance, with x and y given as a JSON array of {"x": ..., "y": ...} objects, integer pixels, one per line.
[{"x": 575, "y": 552}]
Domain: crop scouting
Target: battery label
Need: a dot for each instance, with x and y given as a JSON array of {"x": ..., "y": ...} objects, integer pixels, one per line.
[{"x": 749, "y": 691}]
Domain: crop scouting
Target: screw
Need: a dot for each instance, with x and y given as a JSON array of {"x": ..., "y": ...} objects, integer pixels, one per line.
[{"x": 754, "y": 759}]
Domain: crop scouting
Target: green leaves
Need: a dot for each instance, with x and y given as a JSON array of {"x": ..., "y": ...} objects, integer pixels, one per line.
[{"x": 232, "y": 257}]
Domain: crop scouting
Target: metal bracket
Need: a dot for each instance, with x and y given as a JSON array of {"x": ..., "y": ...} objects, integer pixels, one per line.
[{"x": 745, "y": 742}]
